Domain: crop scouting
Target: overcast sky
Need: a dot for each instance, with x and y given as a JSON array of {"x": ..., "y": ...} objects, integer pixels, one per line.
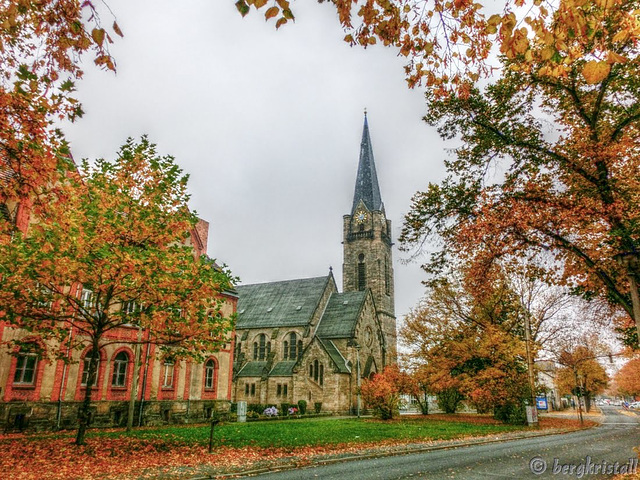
[{"x": 268, "y": 124}]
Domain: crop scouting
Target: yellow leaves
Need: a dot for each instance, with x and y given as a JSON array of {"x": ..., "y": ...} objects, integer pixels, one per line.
[
  {"x": 620, "y": 37},
  {"x": 547, "y": 52},
  {"x": 98, "y": 36},
  {"x": 606, "y": 4},
  {"x": 116, "y": 28},
  {"x": 595, "y": 71},
  {"x": 614, "y": 57},
  {"x": 271, "y": 12}
]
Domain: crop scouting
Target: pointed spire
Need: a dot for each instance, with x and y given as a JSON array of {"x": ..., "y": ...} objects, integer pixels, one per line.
[{"x": 367, "y": 188}]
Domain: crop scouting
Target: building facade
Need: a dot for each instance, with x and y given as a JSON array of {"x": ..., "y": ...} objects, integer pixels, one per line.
[
  {"x": 39, "y": 393},
  {"x": 303, "y": 339}
]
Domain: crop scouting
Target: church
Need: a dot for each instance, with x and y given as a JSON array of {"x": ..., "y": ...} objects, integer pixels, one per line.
[{"x": 304, "y": 339}]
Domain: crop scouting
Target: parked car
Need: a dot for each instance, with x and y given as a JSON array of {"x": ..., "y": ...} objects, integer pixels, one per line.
[{"x": 635, "y": 405}]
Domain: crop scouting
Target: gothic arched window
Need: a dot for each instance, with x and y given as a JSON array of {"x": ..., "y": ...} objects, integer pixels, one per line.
[
  {"x": 263, "y": 346},
  {"x": 293, "y": 344},
  {"x": 362, "y": 273}
]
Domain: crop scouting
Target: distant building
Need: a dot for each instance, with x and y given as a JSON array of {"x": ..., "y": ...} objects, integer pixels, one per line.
[{"x": 302, "y": 339}]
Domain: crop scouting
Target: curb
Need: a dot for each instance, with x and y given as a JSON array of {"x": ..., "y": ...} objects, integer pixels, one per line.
[{"x": 406, "y": 451}]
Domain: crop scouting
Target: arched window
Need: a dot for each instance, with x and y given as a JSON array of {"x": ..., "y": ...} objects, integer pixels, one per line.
[
  {"x": 85, "y": 370},
  {"x": 315, "y": 370},
  {"x": 299, "y": 348},
  {"x": 293, "y": 344},
  {"x": 26, "y": 368},
  {"x": 168, "y": 369},
  {"x": 268, "y": 348},
  {"x": 255, "y": 350},
  {"x": 311, "y": 370},
  {"x": 321, "y": 375},
  {"x": 387, "y": 276},
  {"x": 263, "y": 346},
  {"x": 285, "y": 352},
  {"x": 119, "y": 378},
  {"x": 209, "y": 374},
  {"x": 362, "y": 273}
]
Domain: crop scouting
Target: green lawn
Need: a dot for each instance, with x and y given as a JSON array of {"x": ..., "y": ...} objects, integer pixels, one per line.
[{"x": 312, "y": 432}]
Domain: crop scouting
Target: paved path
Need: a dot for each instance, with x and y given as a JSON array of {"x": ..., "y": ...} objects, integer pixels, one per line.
[{"x": 549, "y": 456}]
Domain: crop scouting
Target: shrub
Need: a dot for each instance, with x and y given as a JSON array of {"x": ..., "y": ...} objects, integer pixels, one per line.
[
  {"x": 382, "y": 393},
  {"x": 317, "y": 406},
  {"x": 449, "y": 399},
  {"x": 512, "y": 413},
  {"x": 256, "y": 407},
  {"x": 302, "y": 406},
  {"x": 284, "y": 407}
]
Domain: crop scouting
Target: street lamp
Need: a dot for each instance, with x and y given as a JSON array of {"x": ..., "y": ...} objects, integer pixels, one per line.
[{"x": 578, "y": 391}]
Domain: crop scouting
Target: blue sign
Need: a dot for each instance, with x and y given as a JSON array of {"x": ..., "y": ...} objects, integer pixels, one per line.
[{"x": 541, "y": 403}]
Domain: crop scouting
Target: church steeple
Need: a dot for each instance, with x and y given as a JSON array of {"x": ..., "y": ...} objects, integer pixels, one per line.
[
  {"x": 367, "y": 189},
  {"x": 367, "y": 261}
]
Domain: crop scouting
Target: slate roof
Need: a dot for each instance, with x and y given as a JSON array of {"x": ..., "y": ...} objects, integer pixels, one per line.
[
  {"x": 341, "y": 314},
  {"x": 367, "y": 188},
  {"x": 279, "y": 304},
  {"x": 282, "y": 369},
  {"x": 340, "y": 362},
  {"x": 252, "y": 369}
]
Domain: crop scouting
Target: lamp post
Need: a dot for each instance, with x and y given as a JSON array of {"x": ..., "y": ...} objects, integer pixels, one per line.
[
  {"x": 357, "y": 347},
  {"x": 578, "y": 392},
  {"x": 532, "y": 381}
]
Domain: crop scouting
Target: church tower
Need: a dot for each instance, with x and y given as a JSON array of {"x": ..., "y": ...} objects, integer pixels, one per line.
[{"x": 367, "y": 261}]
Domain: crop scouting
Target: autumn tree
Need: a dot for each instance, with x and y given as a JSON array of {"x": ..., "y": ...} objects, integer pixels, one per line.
[
  {"x": 473, "y": 347},
  {"x": 41, "y": 44},
  {"x": 627, "y": 379},
  {"x": 581, "y": 374},
  {"x": 382, "y": 392},
  {"x": 548, "y": 158},
  {"x": 113, "y": 252}
]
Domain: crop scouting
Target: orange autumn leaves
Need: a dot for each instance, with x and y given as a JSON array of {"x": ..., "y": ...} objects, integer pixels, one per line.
[
  {"x": 448, "y": 43},
  {"x": 40, "y": 47}
]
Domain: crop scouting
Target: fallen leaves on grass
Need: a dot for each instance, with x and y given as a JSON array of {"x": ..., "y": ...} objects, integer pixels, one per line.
[{"x": 57, "y": 458}]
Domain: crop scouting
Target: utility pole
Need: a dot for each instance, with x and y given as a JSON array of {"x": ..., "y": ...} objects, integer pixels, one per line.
[{"x": 532, "y": 380}]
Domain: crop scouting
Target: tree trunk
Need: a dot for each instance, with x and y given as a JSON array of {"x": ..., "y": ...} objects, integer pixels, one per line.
[
  {"x": 134, "y": 383},
  {"x": 84, "y": 411}
]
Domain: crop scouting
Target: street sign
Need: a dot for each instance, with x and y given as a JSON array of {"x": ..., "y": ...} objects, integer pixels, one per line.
[{"x": 541, "y": 403}]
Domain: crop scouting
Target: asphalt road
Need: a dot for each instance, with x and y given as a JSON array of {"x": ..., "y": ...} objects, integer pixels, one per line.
[{"x": 570, "y": 455}]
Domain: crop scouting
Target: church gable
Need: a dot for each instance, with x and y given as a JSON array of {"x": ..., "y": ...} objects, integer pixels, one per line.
[{"x": 341, "y": 315}]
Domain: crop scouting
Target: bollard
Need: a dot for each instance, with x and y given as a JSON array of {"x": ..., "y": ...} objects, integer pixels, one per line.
[{"x": 214, "y": 422}]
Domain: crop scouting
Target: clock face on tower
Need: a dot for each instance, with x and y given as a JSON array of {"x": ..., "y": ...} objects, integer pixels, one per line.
[{"x": 361, "y": 216}]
